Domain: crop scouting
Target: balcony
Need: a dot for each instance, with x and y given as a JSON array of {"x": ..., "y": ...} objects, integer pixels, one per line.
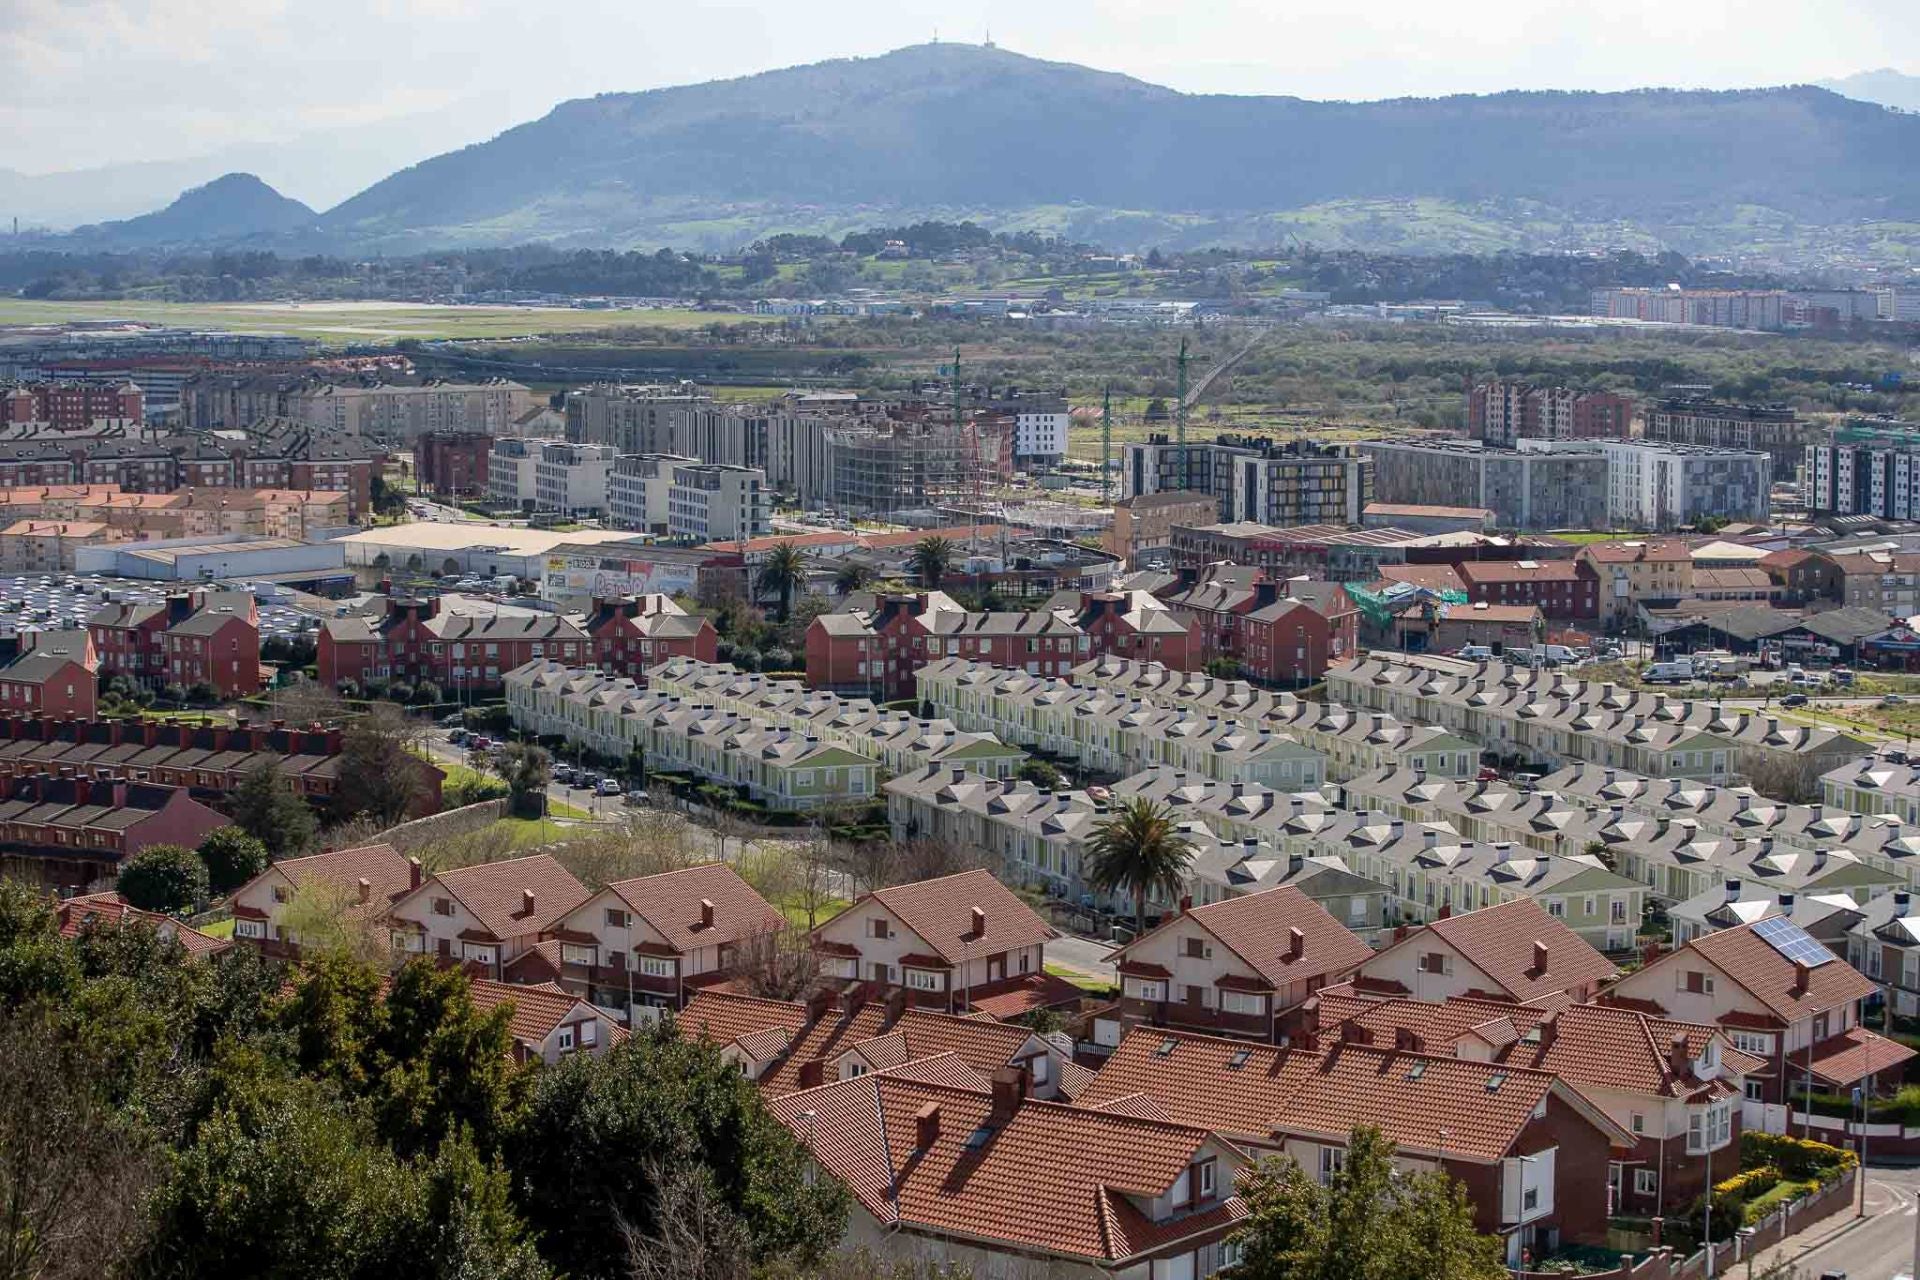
[{"x": 1184, "y": 1016}]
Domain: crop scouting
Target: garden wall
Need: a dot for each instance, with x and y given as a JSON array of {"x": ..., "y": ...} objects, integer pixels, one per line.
[{"x": 409, "y": 836}]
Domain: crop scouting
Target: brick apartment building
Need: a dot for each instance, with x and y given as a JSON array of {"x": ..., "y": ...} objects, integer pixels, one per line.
[
  {"x": 415, "y": 641},
  {"x": 72, "y": 406},
  {"x": 54, "y": 675},
  {"x": 193, "y": 637},
  {"x": 453, "y": 464},
  {"x": 75, "y": 832},
  {"x": 1283, "y": 632},
  {"x": 1565, "y": 590},
  {"x": 632, "y": 633},
  {"x": 1500, "y": 412}
]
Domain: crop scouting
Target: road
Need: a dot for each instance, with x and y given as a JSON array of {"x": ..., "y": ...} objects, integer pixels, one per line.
[
  {"x": 1082, "y": 955},
  {"x": 1880, "y": 1247}
]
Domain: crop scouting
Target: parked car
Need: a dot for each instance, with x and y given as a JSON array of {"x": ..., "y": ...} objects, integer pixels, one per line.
[
  {"x": 1891, "y": 699},
  {"x": 1794, "y": 700},
  {"x": 608, "y": 787},
  {"x": 482, "y": 744},
  {"x": 458, "y": 736},
  {"x": 563, "y": 773},
  {"x": 636, "y": 797}
]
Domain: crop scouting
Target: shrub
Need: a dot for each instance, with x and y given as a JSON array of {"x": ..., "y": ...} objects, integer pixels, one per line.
[
  {"x": 164, "y": 877},
  {"x": 1797, "y": 1159},
  {"x": 1748, "y": 1183}
]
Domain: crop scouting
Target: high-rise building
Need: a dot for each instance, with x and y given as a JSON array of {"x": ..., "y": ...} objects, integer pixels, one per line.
[
  {"x": 1775, "y": 429},
  {"x": 1663, "y": 486},
  {"x": 572, "y": 478},
  {"x": 711, "y": 501},
  {"x": 1501, "y": 412},
  {"x": 1550, "y": 485},
  {"x": 1255, "y": 479},
  {"x": 637, "y": 490},
  {"x": 71, "y": 406},
  {"x": 1862, "y": 480}
]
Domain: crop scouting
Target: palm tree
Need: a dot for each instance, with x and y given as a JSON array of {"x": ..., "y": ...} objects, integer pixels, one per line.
[
  {"x": 851, "y": 578},
  {"x": 932, "y": 558},
  {"x": 1139, "y": 850},
  {"x": 784, "y": 569}
]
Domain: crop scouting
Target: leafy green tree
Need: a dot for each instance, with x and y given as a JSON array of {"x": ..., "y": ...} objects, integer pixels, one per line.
[
  {"x": 602, "y": 1132},
  {"x": 233, "y": 857},
  {"x": 1223, "y": 668},
  {"x": 1138, "y": 850},
  {"x": 526, "y": 769},
  {"x": 34, "y": 963},
  {"x": 932, "y": 560},
  {"x": 267, "y": 809},
  {"x": 1039, "y": 773},
  {"x": 1368, "y": 1222},
  {"x": 379, "y": 773},
  {"x": 164, "y": 877},
  {"x": 851, "y": 577},
  {"x": 781, "y": 573}
]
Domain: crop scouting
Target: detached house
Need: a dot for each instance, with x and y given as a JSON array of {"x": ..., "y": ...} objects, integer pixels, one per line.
[
  {"x": 547, "y": 1023},
  {"x": 111, "y": 911},
  {"x": 486, "y": 916},
  {"x": 961, "y": 943},
  {"x": 643, "y": 944},
  {"x": 1234, "y": 966},
  {"x": 1513, "y": 952},
  {"x": 1785, "y": 1000},
  {"x": 366, "y": 881},
  {"x": 994, "y": 1181}
]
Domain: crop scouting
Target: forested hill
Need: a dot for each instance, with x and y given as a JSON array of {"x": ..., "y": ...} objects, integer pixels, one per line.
[{"x": 983, "y": 129}]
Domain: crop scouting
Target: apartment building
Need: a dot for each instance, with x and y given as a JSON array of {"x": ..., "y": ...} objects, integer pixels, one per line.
[
  {"x": 1719, "y": 308},
  {"x": 415, "y": 641},
  {"x": 649, "y": 942},
  {"x": 1234, "y": 967},
  {"x": 1564, "y": 590},
  {"x": 878, "y": 651},
  {"x": 638, "y": 487},
  {"x": 1499, "y": 412},
  {"x": 571, "y": 479},
  {"x": 132, "y": 640},
  {"x": 483, "y": 917},
  {"x": 47, "y": 546},
  {"x": 949, "y": 942},
  {"x": 1653, "y": 485},
  {"x": 390, "y": 408},
  {"x": 631, "y": 633},
  {"x": 54, "y": 676},
  {"x": 361, "y": 882},
  {"x": 1788, "y": 1001},
  {"x": 453, "y": 464},
  {"x": 708, "y": 502},
  {"x": 1885, "y": 581},
  {"x": 1145, "y": 524},
  {"x": 1280, "y": 632},
  {"x": 1538, "y": 487},
  {"x": 71, "y": 406},
  {"x": 76, "y": 833},
  {"x": 1778, "y": 432},
  {"x": 1638, "y": 573},
  {"x": 1256, "y": 479},
  {"x": 1321, "y": 552},
  {"x": 630, "y": 418},
  {"x": 513, "y": 471}
]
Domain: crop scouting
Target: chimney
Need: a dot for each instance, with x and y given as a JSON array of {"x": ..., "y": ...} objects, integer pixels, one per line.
[
  {"x": 1296, "y": 943},
  {"x": 1900, "y": 900},
  {"x": 926, "y": 1125},
  {"x": 526, "y": 902},
  {"x": 1295, "y": 862},
  {"x": 1539, "y": 959},
  {"x": 1733, "y": 891},
  {"x": 82, "y": 790},
  {"x": 706, "y": 913},
  {"x": 1786, "y": 904},
  {"x": 1186, "y": 903},
  {"x": 818, "y": 1005},
  {"x": 413, "y": 873},
  {"x": 1802, "y": 976},
  {"x": 978, "y": 917},
  {"x": 365, "y": 886},
  {"x": 1009, "y": 1091},
  {"x": 1677, "y": 1056},
  {"x": 1446, "y": 911}
]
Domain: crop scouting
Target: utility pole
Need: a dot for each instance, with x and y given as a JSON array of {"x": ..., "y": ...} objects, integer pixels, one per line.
[
  {"x": 1180, "y": 416},
  {"x": 1106, "y": 445}
]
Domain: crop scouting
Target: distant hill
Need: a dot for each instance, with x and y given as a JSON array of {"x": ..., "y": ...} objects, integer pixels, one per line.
[
  {"x": 1886, "y": 86},
  {"x": 234, "y": 207},
  {"x": 1019, "y": 141}
]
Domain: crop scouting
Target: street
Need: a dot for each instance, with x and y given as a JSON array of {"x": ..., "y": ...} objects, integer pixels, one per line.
[
  {"x": 1878, "y": 1247},
  {"x": 1082, "y": 955}
]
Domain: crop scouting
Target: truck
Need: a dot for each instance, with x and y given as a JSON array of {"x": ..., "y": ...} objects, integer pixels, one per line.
[{"x": 1678, "y": 671}]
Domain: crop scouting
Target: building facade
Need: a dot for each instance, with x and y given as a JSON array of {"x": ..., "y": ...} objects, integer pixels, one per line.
[{"x": 1662, "y": 486}]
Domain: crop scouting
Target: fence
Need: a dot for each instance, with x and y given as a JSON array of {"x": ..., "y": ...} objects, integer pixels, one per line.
[
  {"x": 409, "y": 836},
  {"x": 1795, "y": 1215}
]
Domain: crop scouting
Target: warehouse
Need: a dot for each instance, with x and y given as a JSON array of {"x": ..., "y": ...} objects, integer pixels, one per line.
[
  {"x": 454, "y": 548},
  {"x": 223, "y": 557}
]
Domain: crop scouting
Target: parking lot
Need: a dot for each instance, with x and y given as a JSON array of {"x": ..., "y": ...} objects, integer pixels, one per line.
[{"x": 49, "y": 601}]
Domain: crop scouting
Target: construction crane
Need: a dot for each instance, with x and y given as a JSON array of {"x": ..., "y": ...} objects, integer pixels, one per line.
[
  {"x": 1180, "y": 416},
  {"x": 1106, "y": 445}
]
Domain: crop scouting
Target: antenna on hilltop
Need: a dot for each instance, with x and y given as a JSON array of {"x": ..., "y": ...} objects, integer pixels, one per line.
[
  {"x": 936, "y": 35},
  {"x": 989, "y": 43}
]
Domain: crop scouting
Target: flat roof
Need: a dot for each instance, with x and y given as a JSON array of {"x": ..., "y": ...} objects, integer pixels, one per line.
[
  {"x": 169, "y": 555},
  {"x": 432, "y": 535}
]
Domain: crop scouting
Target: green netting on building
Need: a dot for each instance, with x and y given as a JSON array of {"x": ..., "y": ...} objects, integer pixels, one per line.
[{"x": 1378, "y": 607}]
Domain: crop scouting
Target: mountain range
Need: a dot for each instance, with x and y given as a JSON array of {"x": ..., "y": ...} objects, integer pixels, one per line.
[{"x": 1017, "y": 142}]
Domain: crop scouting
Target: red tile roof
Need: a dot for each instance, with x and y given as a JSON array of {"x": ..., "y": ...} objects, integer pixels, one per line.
[
  {"x": 1766, "y": 974},
  {"x": 672, "y": 902},
  {"x": 1851, "y": 1056},
  {"x": 385, "y": 869},
  {"x": 1050, "y": 1179},
  {"x": 1016, "y": 996},
  {"x": 1193, "y": 1080},
  {"x": 1499, "y": 942},
  {"x": 1478, "y": 571},
  {"x": 940, "y": 914},
  {"x": 1258, "y": 928},
  {"x": 494, "y": 893},
  {"x": 724, "y": 1018},
  {"x": 538, "y": 1011},
  {"x": 108, "y": 910}
]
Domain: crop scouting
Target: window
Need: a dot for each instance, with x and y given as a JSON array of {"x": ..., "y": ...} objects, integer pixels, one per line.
[
  {"x": 589, "y": 1034},
  {"x": 571, "y": 953},
  {"x": 655, "y": 967},
  {"x": 880, "y": 928},
  {"x": 1700, "y": 984},
  {"x": 1144, "y": 989},
  {"x": 924, "y": 980},
  {"x": 616, "y": 918},
  {"x": 1639, "y": 1123},
  {"x": 566, "y": 1039},
  {"x": 1203, "y": 1181},
  {"x": 1247, "y": 1003},
  {"x": 280, "y": 893},
  {"x": 1753, "y": 1042},
  {"x": 1196, "y": 948},
  {"x": 1435, "y": 962},
  {"x": 1619, "y": 911},
  {"x": 1356, "y": 910},
  {"x": 1556, "y": 908},
  {"x": 1646, "y": 1182},
  {"x": 1754, "y": 1090},
  {"x": 1332, "y": 1161},
  {"x": 249, "y": 929},
  {"x": 443, "y": 906}
]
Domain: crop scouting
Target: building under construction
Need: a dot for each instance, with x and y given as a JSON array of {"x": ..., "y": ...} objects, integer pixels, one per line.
[{"x": 889, "y": 467}]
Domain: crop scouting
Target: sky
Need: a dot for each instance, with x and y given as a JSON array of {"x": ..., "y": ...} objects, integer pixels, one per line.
[{"x": 355, "y": 87}]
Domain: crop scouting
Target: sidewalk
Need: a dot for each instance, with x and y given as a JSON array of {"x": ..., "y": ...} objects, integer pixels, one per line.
[{"x": 1881, "y": 1200}]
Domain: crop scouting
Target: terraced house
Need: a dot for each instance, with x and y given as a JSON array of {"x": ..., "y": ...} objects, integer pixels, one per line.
[{"x": 415, "y": 641}]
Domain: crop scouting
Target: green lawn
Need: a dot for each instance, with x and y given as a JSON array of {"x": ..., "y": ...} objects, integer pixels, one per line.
[
  {"x": 796, "y": 912},
  {"x": 363, "y": 321},
  {"x": 1580, "y": 538},
  {"x": 1084, "y": 981},
  {"x": 218, "y": 929}
]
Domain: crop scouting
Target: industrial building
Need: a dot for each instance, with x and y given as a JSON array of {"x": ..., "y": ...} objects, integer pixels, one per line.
[{"x": 222, "y": 558}]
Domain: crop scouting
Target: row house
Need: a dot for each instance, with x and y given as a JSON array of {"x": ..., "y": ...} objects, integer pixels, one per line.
[
  {"x": 961, "y": 943},
  {"x": 1514, "y": 952},
  {"x": 991, "y": 1181},
  {"x": 56, "y": 675},
  {"x": 1530, "y": 1149},
  {"x": 1134, "y": 624},
  {"x": 876, "y": 652},
  {"x": 899, "y": 740},
  {"x": 191, "y": 638},
  {"x": 1557, "y": 719},
  {"x": 1886, "y": 782},
  {"x": 106, "y": 911},
  {"x": 209, "y": 760},
  {"x": 1785, "y": 1000},
  {"x": 76, "y": 833},
  {"x": 1234, "y": 967},
  {"x": 786, "y": 769},
  {"x": 788, "y": 1045},
  {"x": 1674, "y": 1086},
  {"x": 1041, "y": 837},
  {"x": 483, "y": 917},
  {"x": 357, "y": 885},
  {"x": 631, "y": 633},
  {"x": 1566, "y": 591},
  {"x": 1884, "y": 944},
  {"x": 1827, "y": 915},
  {"x": 644, "y": 944},
  {"x": 415, "y": 641}
]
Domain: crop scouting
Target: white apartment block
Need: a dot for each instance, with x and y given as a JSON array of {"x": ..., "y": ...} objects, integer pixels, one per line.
[
  {"x": 1040, "y": 433},
  {"x": 511, "y": 471},
  {"x": 572, "y": 478},
  {"x": 712, "y": 501},
  {"x": 1664, "y": 486},
  {"x": 637, "y": 488}
]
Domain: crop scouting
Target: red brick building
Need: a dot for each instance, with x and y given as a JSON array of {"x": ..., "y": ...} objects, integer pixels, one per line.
[
  {"x": 453, "y": 464},
  {"x": 1286, "y": 632},
  {"x": 635, "y": 632},
  {"x": 877, "y": 652},
  {"x": 1565, "y": 590},
  {"x": 75, "y": 832},
  {"x": 1803, "y": 576},
  {"x": 55, "y": 675},
  {"x": 72, "y": 406},
  {"x": 1134, "y": 624},
  {"x": 415, "y": 641},
  {"x": 195, "y": 637}
]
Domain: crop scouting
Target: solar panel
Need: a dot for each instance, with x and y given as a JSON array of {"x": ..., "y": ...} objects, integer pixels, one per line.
[{"x": 1793, "y": 942}]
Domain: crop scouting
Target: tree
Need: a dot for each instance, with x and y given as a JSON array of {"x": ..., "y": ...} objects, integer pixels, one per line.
[
  {"x": 379, "y": 772},
  {"x": 781, "y": 573},
  {"x": 1039, "y": 773},
  {"x": 325, "y": 919},
  {"x": 526, "y": 769},
  {"x": 267, "y": 809},
  {"x": 164, "y": 877},
  {"x": 1223, "y": 668},
  {"x": 602, "y": 1132},
  {"x": 1369, "y": 1222},
  {"x": 233, "y": 857},
  {"x": 932, "y": 560},
  {"x": 851, "y": 577},
  {"x": 1138, "y": 850}
]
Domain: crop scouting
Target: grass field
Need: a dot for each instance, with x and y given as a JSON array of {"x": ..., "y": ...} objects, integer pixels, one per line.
[{"x": 349, "y": 322}]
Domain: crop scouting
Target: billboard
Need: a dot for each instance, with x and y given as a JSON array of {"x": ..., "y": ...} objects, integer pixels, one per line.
[{"x": 604, "y": 576}]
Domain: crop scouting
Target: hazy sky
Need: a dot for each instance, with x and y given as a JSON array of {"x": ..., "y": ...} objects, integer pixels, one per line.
[{"x": 87, "y": 82}]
